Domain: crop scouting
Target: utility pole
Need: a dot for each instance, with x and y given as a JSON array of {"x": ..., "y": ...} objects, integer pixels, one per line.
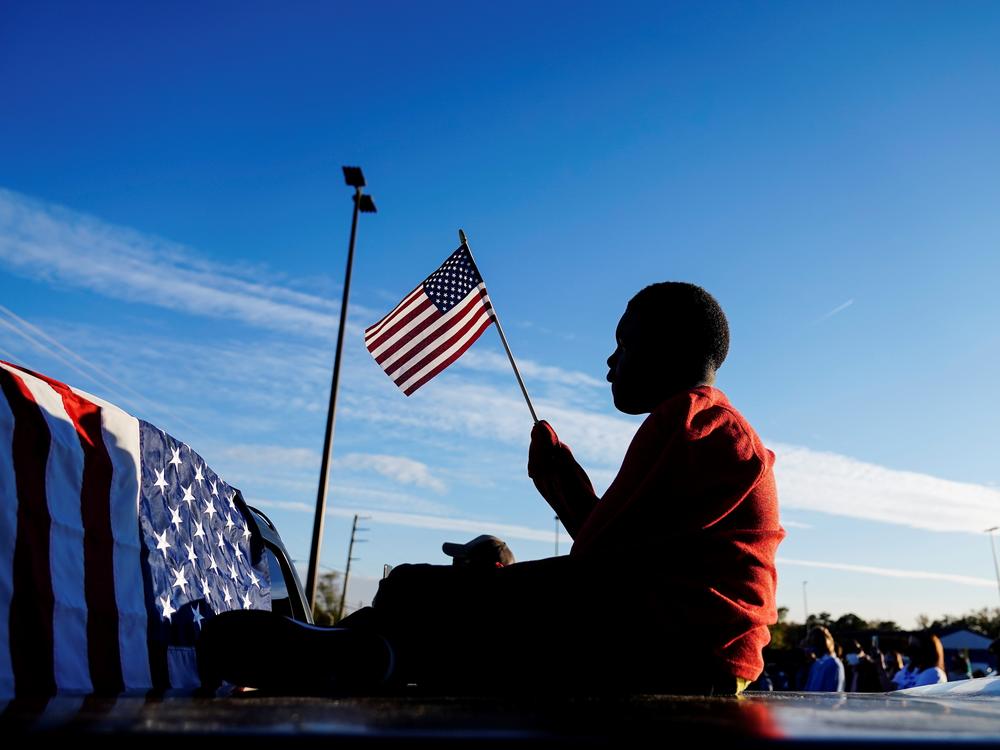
[
  {"x": 363, "y": 203},
  {"x": 557, "y": 536},
  {"x": 996, "y": 566},
  {"x": 350, "y": 558}
]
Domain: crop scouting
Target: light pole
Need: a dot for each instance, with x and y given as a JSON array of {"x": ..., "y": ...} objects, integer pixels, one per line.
[
  {"x": 805, "y": 602},
  {"x": 996, "y": 566},
  {"x": 354, "y": 177},
  {"x": 557, "y": 536}
]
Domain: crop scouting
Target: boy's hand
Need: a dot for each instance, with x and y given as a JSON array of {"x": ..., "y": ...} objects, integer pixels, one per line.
[{"x": 544, "y": 442}]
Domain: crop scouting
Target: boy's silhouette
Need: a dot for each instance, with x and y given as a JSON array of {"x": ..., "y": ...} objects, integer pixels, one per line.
[{"x": 670, "y": 583}]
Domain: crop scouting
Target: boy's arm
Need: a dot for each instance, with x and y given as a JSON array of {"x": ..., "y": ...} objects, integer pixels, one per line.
[{"x": 559, "y": 478}]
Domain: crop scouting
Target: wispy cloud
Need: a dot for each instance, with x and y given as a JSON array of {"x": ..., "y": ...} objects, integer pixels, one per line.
[
  {"x": 397, "y": 468},
  {"x": 270, "y": 455},
  {"x": 51, "y": 243},
  {"x": 839, "y": 308},
  {"x": 419, "y": 521},
  {"x": 487, "y": 361},
  {"x": 923, "y": 575},
  {"x": 796, "y": 524},
  {"x": 260, "y": 390},
  {"x": 509, "y": 531},
  {"x": 271, "y": 390},
  {"x": 844, "y": 486}
]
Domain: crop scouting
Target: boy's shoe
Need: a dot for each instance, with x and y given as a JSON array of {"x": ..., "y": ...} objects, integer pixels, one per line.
[{"x": 265, "y": 650}]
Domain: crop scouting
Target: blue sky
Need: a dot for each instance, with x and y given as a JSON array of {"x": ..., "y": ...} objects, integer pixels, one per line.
[{"x": 172, "y": 213}]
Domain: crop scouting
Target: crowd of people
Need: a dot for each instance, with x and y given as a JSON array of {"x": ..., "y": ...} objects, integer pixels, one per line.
[{"x": 821, "y": 664}]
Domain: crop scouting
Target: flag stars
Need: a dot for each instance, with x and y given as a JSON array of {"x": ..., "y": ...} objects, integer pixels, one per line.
[
  {"x": 232, "y": 573},
  {"x": 209, "y": 509},
  {"x": 179, "y": 580},
  {"x": 238, "y": 554},
  {"x": 206, "y": 590},
  {"x": 160, "y": 481},
  {"x": 229, "y": 522},
  {"x": 222, "y": 542},
  {"x": 246, "y": 531},
  {"x": 188, "y": 496},
  {"x": 254, "y": 580},
  {"x": 213, "y": 565},
  {"x": 198, "y": 476},
  {"x": 246, "y": 600},
  {"x": 228, "y": 597},
  {"x": 165, "y": 608},
  {"x": 199, "y": 530},
  {"x": 161, "y": 543},
  {"x": 175, "y": 516},
  {"x": 175, "y": 458},
  {"x": 196, "y": 615},
  {"x": 192, "y": 557}
]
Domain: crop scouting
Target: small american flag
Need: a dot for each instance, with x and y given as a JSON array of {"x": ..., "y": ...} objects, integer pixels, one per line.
[
  {"x": 116, "y": 543},
  {"x": 433, "y": 325}
]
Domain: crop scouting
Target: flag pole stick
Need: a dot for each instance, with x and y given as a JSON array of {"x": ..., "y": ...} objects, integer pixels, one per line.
[{"x": 496, "y": 319}]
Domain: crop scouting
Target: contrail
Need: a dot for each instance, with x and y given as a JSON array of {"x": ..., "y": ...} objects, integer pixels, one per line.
[
  {"x": 892, "y": 572},
  {"x": 23, "y": 328},
  {"x": 836, "y": 310}
]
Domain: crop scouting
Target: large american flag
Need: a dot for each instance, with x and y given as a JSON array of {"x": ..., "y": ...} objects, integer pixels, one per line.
[
  {"x": 433, "y": 325},
  {"x": 116, "y": 543}
]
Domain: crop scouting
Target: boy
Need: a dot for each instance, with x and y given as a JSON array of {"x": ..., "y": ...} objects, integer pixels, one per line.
[{"x": 669, "y": 586}]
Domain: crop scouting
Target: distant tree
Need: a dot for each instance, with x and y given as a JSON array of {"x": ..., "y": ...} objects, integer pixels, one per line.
[
  {"x": 823, "y": 618},
  {"x": 328, "y": 590},
  {"x": 923, "y": 621},
  {"x": 884, "y": 625},
  {"x": 848, "y": 623},
  {"x": 985, "y": 621}
]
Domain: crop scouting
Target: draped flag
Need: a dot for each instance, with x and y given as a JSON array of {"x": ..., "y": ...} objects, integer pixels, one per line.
[
  {"x": 116, "y": 543},
  {"x": 433, "y": 325}
]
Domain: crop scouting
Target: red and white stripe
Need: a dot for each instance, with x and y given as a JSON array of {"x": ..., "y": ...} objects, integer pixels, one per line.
[
  {"x": 415, "y": 341},
  {"x": 72, "y": 602}
]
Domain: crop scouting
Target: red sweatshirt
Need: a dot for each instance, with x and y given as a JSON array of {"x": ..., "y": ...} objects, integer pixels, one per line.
[{"x": 691, "y": 521}]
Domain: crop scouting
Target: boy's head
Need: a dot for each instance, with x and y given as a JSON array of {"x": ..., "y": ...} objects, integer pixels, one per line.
[{"x": 673, "y": 336}]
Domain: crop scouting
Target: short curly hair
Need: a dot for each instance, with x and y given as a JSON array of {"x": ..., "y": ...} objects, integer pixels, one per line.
[{"x": 691, "y": 320}]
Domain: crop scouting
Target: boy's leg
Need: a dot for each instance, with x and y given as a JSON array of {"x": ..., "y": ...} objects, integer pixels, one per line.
[{"x": 482, "y": 629}]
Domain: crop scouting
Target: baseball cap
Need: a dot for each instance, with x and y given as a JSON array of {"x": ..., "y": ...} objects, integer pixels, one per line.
[{"x": 484, "y": 550}]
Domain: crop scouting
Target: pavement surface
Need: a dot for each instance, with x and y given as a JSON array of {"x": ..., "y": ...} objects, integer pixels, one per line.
[{"x": 902, "y": 719}]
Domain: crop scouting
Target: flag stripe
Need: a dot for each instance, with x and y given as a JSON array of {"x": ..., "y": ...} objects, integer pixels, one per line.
[
  {"x": 385, "y": 343},
  {"x": 121, "y": 437},
  {"x": 63, "y": 489},
  {"x": 433, "y": 349},
  {"x": 8, "y": 540},
  {"x": 450, "y": 359},
  {"x": 376, "y": 327},
  {"x": 442, "y": 353},
  {"x": 416, "y": 340},
  {"x": 403, "y": 343},
  {"x": 98, "y": 543},
  {"x": 31, "y": 605},
  {"x": 415, "y": 306}
]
